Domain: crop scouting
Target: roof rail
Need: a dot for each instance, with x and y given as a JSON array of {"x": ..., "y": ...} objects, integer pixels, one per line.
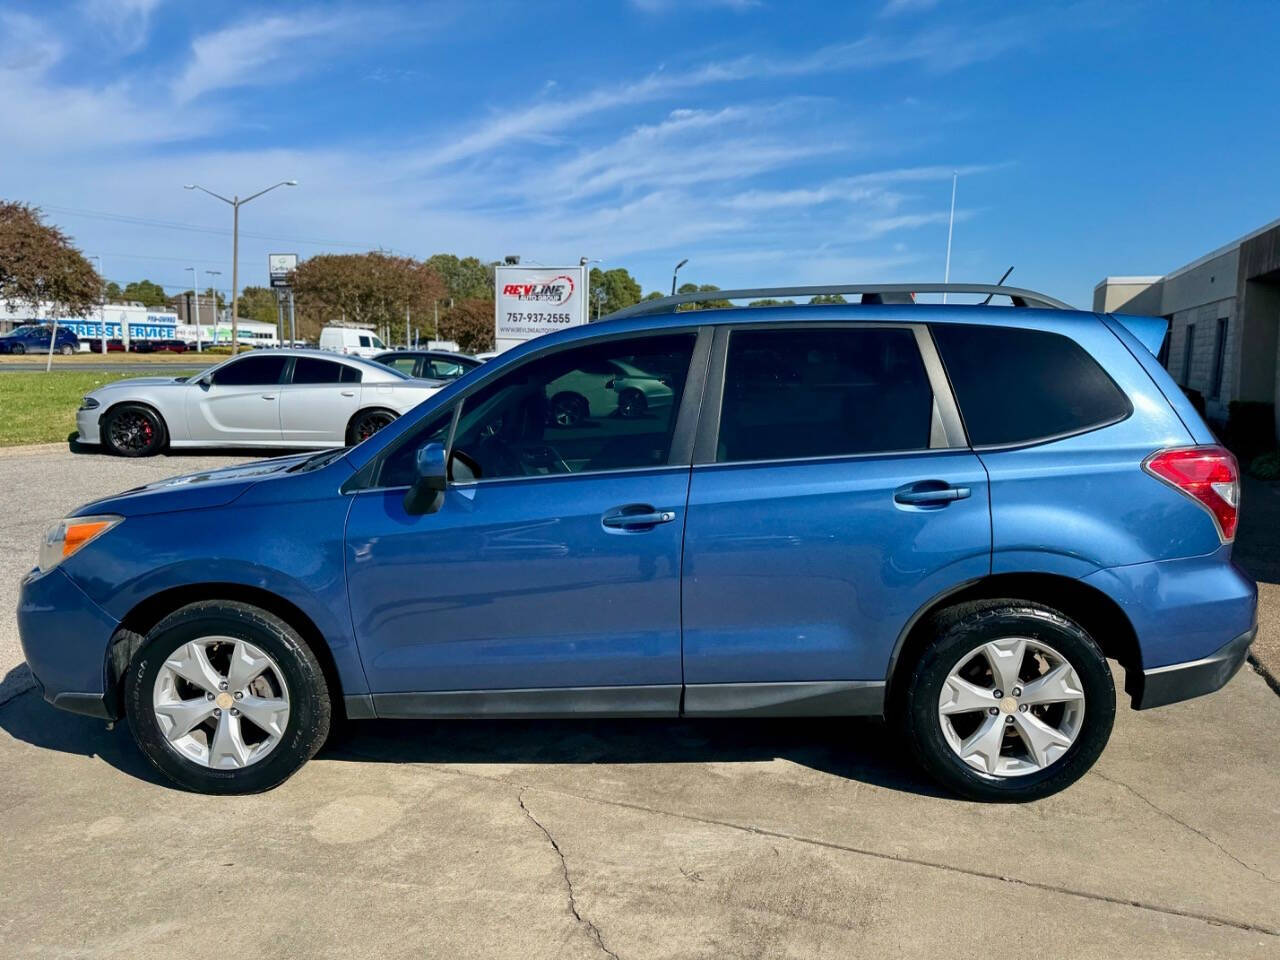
[{"x": 870, "y": 293}]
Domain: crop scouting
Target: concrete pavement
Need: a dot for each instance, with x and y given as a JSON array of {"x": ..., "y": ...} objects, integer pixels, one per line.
[{"x": 630, "y": 839}]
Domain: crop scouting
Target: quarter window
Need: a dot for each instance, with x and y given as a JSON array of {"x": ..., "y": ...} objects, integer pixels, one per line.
[
  {"x": 251, "y": 372},
  {"x": 1016, "y": 386},
  {"x": 797, "y": 393},
  {"x": 586, "y": 409}
]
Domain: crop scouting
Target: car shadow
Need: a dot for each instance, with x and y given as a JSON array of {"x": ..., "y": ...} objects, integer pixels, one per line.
[{"x": 860, "y": 749}]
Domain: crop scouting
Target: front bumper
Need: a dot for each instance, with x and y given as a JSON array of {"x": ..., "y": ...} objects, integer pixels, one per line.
[
  {"x": 87, "y": 428},
  {"x": 65, "y": 639},
  {"x": 1182, "y": 681}
]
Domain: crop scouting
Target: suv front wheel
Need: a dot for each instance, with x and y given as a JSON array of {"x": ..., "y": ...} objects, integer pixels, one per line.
[
  {"x": 1013, "y": 701},
  {"x": 224, "y": 697}
]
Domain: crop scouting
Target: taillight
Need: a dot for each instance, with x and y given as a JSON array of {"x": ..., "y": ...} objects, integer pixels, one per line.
[{"x": 1209, "y": 475}]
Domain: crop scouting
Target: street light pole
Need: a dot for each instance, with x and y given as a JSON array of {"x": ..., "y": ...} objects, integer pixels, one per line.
[
  {"x": 102, "y": 304},
  {"x": 674, "y": 272},
  {"x": 236, "y": 203}
]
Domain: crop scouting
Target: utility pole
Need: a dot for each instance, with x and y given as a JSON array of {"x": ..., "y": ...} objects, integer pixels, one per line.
[
  {"x": 102, "y": 304},
  {"x": 293, "y": 326},
  {"x": 236, "y": 203},
  {"x": 951, "y": 222}
]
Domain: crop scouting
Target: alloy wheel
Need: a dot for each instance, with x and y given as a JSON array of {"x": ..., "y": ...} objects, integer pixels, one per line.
[
  {"x": 221, "y": 702},
  {"x": 131, "y": 430},
  {"x": 1011, "y": 707}
]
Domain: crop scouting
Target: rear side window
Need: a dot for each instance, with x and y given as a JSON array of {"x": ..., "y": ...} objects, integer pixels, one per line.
[
  {"x": 1017, "y": 386},
  {"x": 796, "y": 393},
  {"x": 313, "y": 370}
]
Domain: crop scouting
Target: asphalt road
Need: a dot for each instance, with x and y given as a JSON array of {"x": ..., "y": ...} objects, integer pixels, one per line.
[{"x": 628, "y": 839}]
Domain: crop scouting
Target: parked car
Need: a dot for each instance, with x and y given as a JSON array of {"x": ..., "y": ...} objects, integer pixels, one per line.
[
  {"x": 34, "y": 338},
  {"x": 429, "y": 364},
  {"x": 351, "y": 341},
  {"x": 949, "y": 515},
  {"x": 267, "y": 398},
  {"x": 94, "y": 345},
  {"x": 158, "y": 346}
]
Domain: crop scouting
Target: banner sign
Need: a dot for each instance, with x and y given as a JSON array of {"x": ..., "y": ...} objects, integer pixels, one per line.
[
  {"x": 530, "y": 301},
  {"x": 281, "y": 266}
]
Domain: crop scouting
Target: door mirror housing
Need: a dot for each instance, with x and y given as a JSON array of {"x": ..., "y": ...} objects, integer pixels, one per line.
[{"x": 427, "y": 493}]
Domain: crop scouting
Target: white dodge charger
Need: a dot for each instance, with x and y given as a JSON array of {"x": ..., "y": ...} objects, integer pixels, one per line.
[{"x": 301, "y": 399}]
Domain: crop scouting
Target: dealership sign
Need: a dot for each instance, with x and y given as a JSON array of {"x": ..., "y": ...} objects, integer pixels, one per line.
[
  {"x": 280, "y": 267},
  {"x": 531, "y": 301}
]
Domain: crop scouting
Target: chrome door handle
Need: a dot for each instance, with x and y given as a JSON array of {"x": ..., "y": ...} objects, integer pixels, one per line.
[
  {"x": 929, "y": 492},
  {"x": 621, "y": 519},
  {"x": 268, "y": 396},
  {"x": 348, "y": 393}
]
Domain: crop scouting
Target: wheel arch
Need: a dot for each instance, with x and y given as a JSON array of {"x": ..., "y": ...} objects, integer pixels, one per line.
[
  {"x": 1088, "y": 606},
  {"x": 139, "y": 621},
  {"x": 372, "y": 408},
  {"x": 134, "y": 402}
]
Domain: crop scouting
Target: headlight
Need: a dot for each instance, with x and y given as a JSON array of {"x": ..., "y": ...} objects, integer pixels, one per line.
[
  {"x": 88, "y": 403},
  {"x": 67, "y": 536}
]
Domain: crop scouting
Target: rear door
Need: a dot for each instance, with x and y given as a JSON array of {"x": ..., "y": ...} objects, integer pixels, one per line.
[
  {"x": 833, "y": 495},
  {"x": 319, "y": 400},
  {"x": 240, "y": 403}
]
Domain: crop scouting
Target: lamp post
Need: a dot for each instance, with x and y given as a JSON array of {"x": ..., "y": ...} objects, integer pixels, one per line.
[
  {"x": 213, "y": 326},
  {"x": 236, "y": 202},
  {"x": 674, "y": 272},
  {"x": 102, "y": 304}
]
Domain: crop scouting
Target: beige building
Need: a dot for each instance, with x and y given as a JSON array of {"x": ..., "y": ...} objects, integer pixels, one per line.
[{"x": 1224, "y": 319}]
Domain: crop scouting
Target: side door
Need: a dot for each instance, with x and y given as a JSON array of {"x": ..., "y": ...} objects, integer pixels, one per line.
[
  {"x": 239, "y": 402},
  {"x": 551, "y": 570},
  {"x": 833, "y": 495},
  {"x": 319, "y": 400}
]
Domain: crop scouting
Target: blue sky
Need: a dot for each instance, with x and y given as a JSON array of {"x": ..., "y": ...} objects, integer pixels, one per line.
[{"x": 769, "y": 142}]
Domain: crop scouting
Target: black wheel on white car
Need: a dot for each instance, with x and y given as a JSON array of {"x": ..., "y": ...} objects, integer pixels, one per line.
[
  {"x": 226, "y": 698},
  {"x": 366, "y": 423},
  {"x": 569, "y": 409},
  {"x": 632, "y": 403},
  {"x": 133, "y": 430},
  {"x": 1011, "y": 702}
]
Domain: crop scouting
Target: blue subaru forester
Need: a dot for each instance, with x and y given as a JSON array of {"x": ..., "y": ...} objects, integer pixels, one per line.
[{"x": 952, "y": 516}]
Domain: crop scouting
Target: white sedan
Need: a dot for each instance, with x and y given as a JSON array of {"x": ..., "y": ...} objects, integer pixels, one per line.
[{"x": 300, "y": 399}]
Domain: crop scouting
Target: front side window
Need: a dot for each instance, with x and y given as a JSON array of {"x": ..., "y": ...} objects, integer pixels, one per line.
[
  {"x": 607, "y": 406},
  {"x": 821, "y": 392},
  {"x": 251, "y": 372},
  {"x": 1018, "y": 386},
  {"x": 403, "y": 364}
]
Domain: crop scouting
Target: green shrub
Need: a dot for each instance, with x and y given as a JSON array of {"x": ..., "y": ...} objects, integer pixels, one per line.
[{"x": 1267, "y": 466}]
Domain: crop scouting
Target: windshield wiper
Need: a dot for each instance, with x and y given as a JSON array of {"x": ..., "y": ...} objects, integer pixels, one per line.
[{"x": 315, "y": 462}]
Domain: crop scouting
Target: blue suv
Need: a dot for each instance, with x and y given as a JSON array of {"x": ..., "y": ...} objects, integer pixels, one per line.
[
  {"x": 953, "y": 516},
  {"x": 34, "y": 338}
]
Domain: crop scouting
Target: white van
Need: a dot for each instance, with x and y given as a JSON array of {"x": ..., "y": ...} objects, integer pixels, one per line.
[{"x": 352, "y": 341}]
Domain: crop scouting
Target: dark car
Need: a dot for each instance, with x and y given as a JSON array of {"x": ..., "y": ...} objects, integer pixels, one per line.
[
  {"x": 429, "y": 364},
  {"x": 34, "y": 338},
  {"x": 94, "y": 345}
]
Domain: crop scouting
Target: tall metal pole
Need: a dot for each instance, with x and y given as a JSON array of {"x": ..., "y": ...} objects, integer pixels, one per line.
[
  {"x": 951, "y": 222},
  {"x": 195, "y": 279},
  {"x": 279, "y": 316},
  {"x": 214, "y": 325},
  {"x": 235, "y": 276},
  {"x": 293, "y": 325},
  {"x": 102, "y": 305},
  {"x": 674, "y": 272}
]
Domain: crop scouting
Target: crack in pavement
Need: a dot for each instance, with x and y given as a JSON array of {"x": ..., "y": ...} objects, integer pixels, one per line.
[
  {"x": 592, "y": 929},
  {"x": 1182, "y": 823},
  {"x": 1209, "y": 918}
]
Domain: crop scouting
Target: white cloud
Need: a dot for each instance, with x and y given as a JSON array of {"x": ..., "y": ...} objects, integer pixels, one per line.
[
  {"x": 26, "y": 45},
  {"x": 127, "y": 22}
]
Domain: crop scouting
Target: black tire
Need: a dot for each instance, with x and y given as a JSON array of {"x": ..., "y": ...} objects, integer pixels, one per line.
[
  {"x": 568, "y": 410},
  {"x": 133, "y": 430},
  {"x": 632, "y": 403},
  {"x": 310, "y": 708},
  {"x": 967, "y": 627},
  {"x": 18, "y": 348},
  {"x": 67, "y": 350},
  {"x": 366, "y": 423}
]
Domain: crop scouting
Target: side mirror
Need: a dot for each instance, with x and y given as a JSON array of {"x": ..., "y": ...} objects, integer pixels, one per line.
[{"x": 427, "y": 493}]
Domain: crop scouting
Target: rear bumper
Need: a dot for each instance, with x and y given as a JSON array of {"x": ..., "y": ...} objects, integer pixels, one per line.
[{"x": 1182, "y": 681}]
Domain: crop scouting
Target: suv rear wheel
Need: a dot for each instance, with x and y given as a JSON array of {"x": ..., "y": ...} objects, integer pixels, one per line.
[
  {"x": 226, "y": 698},
  {"x": 1013, "y": 701}
]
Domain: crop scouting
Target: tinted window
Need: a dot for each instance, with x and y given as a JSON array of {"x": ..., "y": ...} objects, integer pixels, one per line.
[
  {"x": 365, "y": 342},
  {"x": 1017, "y": 385},
  {"x": 403, "y": 364},
  {"x": 313, "y": 370},
  {"x": 823, "y": 392},
  {"x": 446, "y": 369},
  {"x": 251, "y": 371},
  {"x": 577, "y": 411}
]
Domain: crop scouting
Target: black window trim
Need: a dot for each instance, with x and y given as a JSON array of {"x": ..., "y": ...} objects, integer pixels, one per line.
[
  {"x": 286, "y": 369},
  {"x": 1053, "y": 437},
  {"x": 679, "y": 457},
  {"x": 947, "y": 430}
]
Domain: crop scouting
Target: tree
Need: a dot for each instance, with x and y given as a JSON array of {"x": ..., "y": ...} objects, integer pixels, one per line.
[
  {"x": 704, "y": 304},
  {"x": 464, "y": 279},
  {"x": 618, "y": 287},
  {"x": 654, "y": 295},
  {"x": 770, "y": 302},
  {"x": 38, "y": 264},
  {"x": 257, "y": 303},
  {"x": 113, "y": 292},
  {"x": 146, "y": 293},
  {"x": 368, "y": 288},
  {"x": 469, "y": 324},
  {"x": 828, "y": 298}
]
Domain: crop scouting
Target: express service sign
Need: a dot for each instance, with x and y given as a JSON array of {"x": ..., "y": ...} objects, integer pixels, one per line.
[{"x": 531, "y": 301}]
